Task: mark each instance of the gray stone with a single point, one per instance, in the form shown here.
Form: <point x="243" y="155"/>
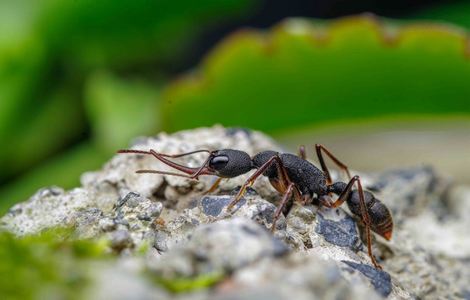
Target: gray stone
<point x="231" y="244"/>
<point x="122" y="280"/>
<point x="381" y="280"/>
<point x="107" y="224"/>
<point x="407" y="192"/>
<point x="166" y="225"/>
<point x="223" y="246"/>
<point x="129" y="196"/>
<point x="121" y="239"/>
<point x="86" y="222"/>
<point x="299" y="276"/>
<point x="160" y="241"/>
<point x="48" y="208"/>
<point x="209" y="208"/>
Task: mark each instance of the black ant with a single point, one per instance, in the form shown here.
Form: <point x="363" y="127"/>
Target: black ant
<point x="290" y="175"/>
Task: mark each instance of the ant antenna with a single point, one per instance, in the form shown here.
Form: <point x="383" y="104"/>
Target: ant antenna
<point x="192" y="173"/>
<point x="162" y="154"/>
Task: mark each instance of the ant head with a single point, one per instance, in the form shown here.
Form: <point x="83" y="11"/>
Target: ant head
<point x="229" y="163"/>
<point x="223" y="163"/>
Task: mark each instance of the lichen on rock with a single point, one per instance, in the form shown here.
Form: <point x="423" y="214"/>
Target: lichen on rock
<point x="169" y="237"/>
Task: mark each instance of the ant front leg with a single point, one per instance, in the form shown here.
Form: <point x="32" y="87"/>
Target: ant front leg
<point x="364" y="212"/>
<point x="283" y="184"/>
<point x="214" y="186"/>
<point x="319" y="148"/>
<point x="285" y="199"/>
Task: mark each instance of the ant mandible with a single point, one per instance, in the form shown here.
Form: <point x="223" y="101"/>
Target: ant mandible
<point x="290" y="175"/>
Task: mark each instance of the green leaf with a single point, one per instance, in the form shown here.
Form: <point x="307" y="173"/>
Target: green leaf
<point x="57" y="121"/>
<point x="305" y="72"/>
<point x="63" y="170"/>
<point x="457" y="12"/>
<point x="119" y="33"/>
<point x="21" y="67"/>
<point x="48" y="48"/>
<point x="119" y="110"/>
<point x="22" y="63"/>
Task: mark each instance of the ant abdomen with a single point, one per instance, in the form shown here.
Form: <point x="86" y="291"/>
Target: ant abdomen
<point x="380" y="217"/>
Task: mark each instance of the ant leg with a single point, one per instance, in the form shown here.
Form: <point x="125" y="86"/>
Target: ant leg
<point x="281" y="206"/>
<point x="302" y="153"/>
<point x="364" y="213"/>
<point x="254" y="176"/>
<point x="281" y="184"/>
<point x="213" y="187"/>
<point x="319" y="148"/>
<point x="342" y="197"/>
<point x="366" y="220"/>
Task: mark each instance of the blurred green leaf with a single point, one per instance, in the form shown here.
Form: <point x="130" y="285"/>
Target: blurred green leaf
<point x="456" y="12"/>
<point x="119" y="33"/>
<point x="57" y="122"/>
<point x="17" y="20"/>
<point x="21" y="66"/>
<point x="305" y="72"/>
<point x="119" y="109"/>
<point x="48" y="49"/>
<point x="63" y="170"/>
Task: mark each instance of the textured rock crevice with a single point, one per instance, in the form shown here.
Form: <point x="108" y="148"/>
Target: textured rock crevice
<point x="164" y="226"/>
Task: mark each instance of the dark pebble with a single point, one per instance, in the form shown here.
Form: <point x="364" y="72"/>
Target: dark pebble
<point x="342" y="233"/>
<point x="213" y="205"/>
<point x="121" y="239"/>
<point x="249" y="191"/>
<point x="279" y="248"/>
<point x="126" y="198"/>
<point x="381" y="280"/>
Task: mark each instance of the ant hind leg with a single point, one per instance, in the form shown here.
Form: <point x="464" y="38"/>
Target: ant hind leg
<point x="319" y="148"/>
<point x="282" y="205"/>
<point x="365" y="218"/>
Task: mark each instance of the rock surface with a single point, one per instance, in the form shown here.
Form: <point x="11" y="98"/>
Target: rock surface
<point x="164" y="229"/>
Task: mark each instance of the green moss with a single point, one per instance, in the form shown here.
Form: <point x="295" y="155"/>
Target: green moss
<point x="143" y="248"/>
<point x="185" y="284"/>
<point x="48" y="265"/>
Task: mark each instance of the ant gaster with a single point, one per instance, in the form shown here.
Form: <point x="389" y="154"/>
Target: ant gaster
<point x="290" y="175"/>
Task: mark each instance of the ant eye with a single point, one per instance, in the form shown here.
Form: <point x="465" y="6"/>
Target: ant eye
<point x="218" y="162"/>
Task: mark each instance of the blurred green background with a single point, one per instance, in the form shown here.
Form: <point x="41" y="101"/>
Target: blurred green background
<point x="80" y="79"/>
